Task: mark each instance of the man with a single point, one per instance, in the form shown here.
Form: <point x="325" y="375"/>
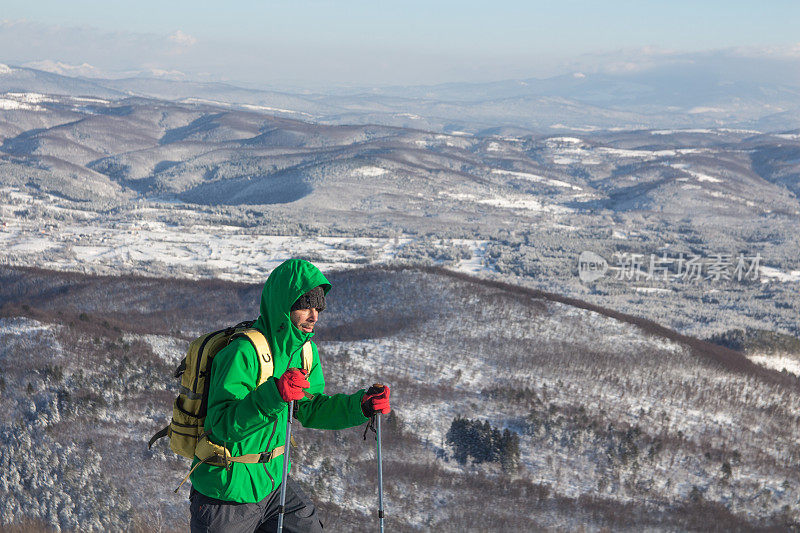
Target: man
<point x="252" y="419"/>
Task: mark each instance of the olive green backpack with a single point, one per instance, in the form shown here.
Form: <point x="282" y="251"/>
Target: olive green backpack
<point x="187" y="436"/>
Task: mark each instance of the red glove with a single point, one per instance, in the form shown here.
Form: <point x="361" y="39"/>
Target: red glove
<point x="291" y="384"/>
<point x="376" y="400"/>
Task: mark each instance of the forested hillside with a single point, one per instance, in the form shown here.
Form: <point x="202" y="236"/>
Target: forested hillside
<point x="562" y="414"/>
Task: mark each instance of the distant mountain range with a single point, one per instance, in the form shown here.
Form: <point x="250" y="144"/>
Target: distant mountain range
<point x="678" y="96"/>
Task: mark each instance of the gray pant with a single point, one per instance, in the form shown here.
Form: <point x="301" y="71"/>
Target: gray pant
<point x="212" y="515"/>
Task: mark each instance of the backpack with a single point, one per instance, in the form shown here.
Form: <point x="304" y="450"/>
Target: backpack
<point x="186" y="434"/>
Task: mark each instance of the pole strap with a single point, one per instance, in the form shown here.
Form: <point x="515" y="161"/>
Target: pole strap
<point x="371" y="427"/>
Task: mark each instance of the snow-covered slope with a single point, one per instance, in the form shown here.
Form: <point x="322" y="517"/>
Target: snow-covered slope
<point x="607" y="412"/>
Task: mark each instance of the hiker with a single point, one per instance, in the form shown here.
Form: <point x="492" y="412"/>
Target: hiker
<point x="250" y="419"/>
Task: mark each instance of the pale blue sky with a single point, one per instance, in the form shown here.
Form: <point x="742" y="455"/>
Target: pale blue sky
<point x="379" y="42"/>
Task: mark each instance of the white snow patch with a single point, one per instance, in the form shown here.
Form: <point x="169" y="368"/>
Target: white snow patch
<point x="370" y="171"/>
<point x="779" y="275"/>
<point x="23" y="326"/>
<point x="674" y="132"/>
<point x="249" y="107"/>
<point x="5" y="69"/>
<point x="13" y="105"/>
<point x="621" y="152"/>
<point x="170" y="349"/>
<point x="561" y="126"/>
<point x="474" y="265"/>
<point x="560" y="160"/>
<point x="494" y="147"/>
<point x="699" y="176"/>
<point x="650" y="290"/>
<point x="778" y="362"/>
<point x="253" y="107"/>
<point x="560" y="140"/>
<point x="700" y="109"/>
<point x="31" y="98"/>
<point x="508" y="202"/>
<point x="537" y="178"/>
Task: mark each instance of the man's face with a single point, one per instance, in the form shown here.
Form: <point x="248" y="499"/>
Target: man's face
<point x="304" y="319"/>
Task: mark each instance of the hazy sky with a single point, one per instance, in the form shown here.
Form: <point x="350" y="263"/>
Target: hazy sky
<point x="381" y="42"/>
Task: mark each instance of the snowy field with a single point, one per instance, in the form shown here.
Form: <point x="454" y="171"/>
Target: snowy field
<point x="138" y="243"/>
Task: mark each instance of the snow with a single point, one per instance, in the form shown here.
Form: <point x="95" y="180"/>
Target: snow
<point x="19" y="326"/>
<point x="778" y="362"/>
<point x="5" y="69"/>
<point x="537" y="178"/>
<point x="249" y="107"/>
<point x="8" y="104"/>
<point x="253" y="107"/>
<point x="699" y="176"/>
<point x="510" y="201"/>
<point x="620" y="152"/>
<point x="650" y="290"/>
<point x="170" y="349"/>
<point x="715" y="131"/>
<point x="474" y="265"/>
<point x="673" y="132"/>
<point x="729" y="197"/>
<point x="561" y="126"/>
<point x="570" y="140"/>
<point x="494" y="147"/>
<point x="191" y="250"/>
<point x="700" y="109"/>
<point x="769" y="273"/>
<point x="560" y="160"/>
<point x="31" y="98"/>
<point x="20" y="330"/>
<point x="370" y="171"/>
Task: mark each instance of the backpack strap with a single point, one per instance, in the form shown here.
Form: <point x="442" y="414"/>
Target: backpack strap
<point x="216" y="455"/>
<point x="308" y="357"/>
<point x="266" y="366"/>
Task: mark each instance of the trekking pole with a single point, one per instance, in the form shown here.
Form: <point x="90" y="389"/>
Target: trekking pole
<point x="377" y="424"/>
<point x="380" y="469"/>
<point x="285" y="466"/>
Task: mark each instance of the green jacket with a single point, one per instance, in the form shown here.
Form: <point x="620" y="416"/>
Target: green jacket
<point x="250" y="419"/>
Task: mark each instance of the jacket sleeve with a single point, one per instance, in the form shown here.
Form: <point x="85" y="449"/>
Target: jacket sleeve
<point x="236" y="407"/>
<point x="339" y="411"/>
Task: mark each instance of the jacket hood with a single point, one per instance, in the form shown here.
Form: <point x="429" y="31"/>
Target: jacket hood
<point x="290" y="280"/>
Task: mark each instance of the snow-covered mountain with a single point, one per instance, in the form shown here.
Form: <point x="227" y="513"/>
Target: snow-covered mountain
<point x="691" y="95"/>
<point x="138" y="185"/>
<point x="577" y="403"/>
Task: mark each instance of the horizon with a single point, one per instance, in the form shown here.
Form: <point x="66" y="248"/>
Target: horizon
<point x="359" y="44"/>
